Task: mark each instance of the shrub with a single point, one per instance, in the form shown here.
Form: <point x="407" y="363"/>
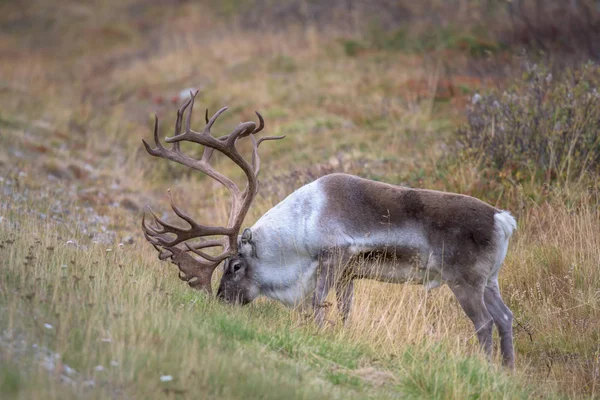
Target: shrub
<point x="541" y="127"/>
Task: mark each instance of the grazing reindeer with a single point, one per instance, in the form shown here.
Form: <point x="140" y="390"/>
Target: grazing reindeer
<point x="324" y="234"/>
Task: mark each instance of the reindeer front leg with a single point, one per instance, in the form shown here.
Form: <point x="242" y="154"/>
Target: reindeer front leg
<point x="344" y="293"/>
<point x="325" y="281"/>
<point x="333" y="270"/>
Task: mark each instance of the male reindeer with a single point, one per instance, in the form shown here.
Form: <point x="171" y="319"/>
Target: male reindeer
<point x="324" y="234"/>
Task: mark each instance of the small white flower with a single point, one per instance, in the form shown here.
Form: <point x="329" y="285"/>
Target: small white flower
<point x="69" y="370"/>
<point x="71" y="242"/>
<point x="114" y="363"/>
<point x="108" y="250"/>
<point x="106" y="340"/>
<point x="48" y="326"/>
<point x="99" y="368"/>
<point x="476" y="98"/>
<point x="64" y="266"/>
<point x="166" y="378"/>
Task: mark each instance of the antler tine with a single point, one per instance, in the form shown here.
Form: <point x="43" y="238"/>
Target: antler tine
<point x="188" y="119"/>
<point x="261" y="124"/>
<point x="255" y="156"/>
<point x="264" y="139"/>
<point x="147" y="230"/>
<point x="151" y="237"/>
<point x="177" y="132"/>
<point x="208" y="151"/>
<point x="180" y="213"/>
<point x="203" y="244"/>
<point x="205" y="256"/>
<point x="155" y="232"/>
<point x="242" y="130"/>
<point x="178" y="136"/>
<point x="163" y="226"/>
<point x="156" y="151"/>
<point x="213" y="119"/>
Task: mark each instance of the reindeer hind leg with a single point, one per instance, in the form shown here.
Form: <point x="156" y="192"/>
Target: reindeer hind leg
<point x="503" y="318"/>
<point x="470" y="297"/>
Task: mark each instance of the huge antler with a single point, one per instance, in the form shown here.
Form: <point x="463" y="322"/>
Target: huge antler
<point x="197" y="271"/>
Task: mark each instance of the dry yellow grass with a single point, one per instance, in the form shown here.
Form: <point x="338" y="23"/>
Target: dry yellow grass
<point x="71" y="121"/>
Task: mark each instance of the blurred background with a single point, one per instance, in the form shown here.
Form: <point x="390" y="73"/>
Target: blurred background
<point x="495" y="99"/>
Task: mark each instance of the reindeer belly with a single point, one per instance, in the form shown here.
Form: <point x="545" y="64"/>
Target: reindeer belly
<point x="396" y="265"/>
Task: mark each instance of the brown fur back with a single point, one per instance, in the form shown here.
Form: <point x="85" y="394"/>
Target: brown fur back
<point x="459" y="226"/>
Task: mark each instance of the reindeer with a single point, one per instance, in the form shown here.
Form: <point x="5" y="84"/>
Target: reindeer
<point x="333" y="231"/>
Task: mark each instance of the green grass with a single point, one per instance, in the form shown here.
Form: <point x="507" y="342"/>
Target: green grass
<point x="11" y="381"/>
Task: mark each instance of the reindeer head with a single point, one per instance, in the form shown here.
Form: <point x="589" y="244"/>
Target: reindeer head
<point x="239" y="283"/>
<point x="185" y="247"/>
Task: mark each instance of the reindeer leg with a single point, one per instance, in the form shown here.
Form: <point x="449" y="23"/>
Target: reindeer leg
<point x="470" y="298"/>
<point x="332" y="265"/>
<point x="503" y="318"/>
<point x="344" y="293"/>
<point x="325" y="281"/>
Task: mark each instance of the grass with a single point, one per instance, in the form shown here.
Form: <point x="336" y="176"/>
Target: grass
<point x="75" y="179"/>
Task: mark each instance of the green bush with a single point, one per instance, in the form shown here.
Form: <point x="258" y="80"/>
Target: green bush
<point x="540" y="127"/>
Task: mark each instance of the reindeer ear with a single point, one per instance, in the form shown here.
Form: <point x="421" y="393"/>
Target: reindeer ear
<point x="246" y="236"/>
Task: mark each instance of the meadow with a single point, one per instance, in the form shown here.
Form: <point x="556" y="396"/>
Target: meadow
<point x="88" y="311"/>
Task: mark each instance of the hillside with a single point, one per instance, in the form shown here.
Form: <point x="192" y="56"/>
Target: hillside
<point x="88" y="311"/>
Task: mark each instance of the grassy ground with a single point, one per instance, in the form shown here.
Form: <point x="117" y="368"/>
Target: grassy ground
<point x="87" y="310"/>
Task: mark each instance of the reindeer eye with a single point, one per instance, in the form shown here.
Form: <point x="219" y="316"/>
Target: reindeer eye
<point x="236" y="267"/>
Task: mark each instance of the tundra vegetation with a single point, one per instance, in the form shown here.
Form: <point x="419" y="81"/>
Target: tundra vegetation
<point x="498" y="100"/>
